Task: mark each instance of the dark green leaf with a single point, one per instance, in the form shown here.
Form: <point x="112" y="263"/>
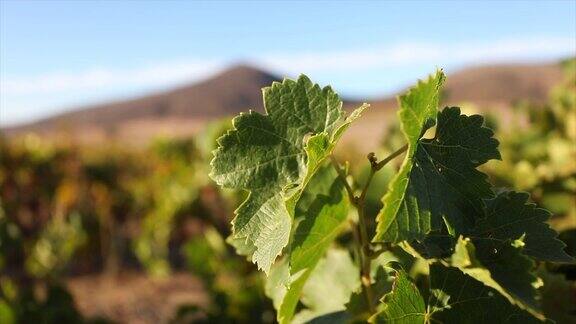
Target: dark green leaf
<point x="510" y="216"/>
<point x="458" y="298"/>
<point x="417" y="112"/>
<point x="501" y="266"/>
<point x="443" y="185"/>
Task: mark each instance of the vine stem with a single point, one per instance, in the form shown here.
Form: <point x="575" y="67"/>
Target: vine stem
<point x="342" y="176"/>
<point x="390" y="157"/>
<point x="365" y="251"/>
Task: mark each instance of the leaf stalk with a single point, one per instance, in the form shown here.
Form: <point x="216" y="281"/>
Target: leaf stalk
<point x="365" y="249"/>
<point x="389" y="158"/>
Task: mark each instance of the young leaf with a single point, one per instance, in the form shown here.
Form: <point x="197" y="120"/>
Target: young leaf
<point x="403" y="305"/>
<point x="458" y="298"/>
<point x="323" y="208"/>
<point x="276" y="282"/>
<point x="329" y="287"/>
<point x="510" y="216"/>
<point x="442" y="184"/>
<point x="273" y="156"/>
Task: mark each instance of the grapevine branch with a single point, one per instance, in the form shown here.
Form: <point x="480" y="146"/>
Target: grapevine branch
<point x="389" y="158"/>
<point x="365" y="251"/>
<point x="240" y="149"/>
<point x="342" y="176"/>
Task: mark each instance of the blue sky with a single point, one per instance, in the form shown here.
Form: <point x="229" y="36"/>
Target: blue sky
<point x="58" y="55"/>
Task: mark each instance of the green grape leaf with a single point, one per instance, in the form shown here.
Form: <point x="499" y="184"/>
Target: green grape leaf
<point x="417" y="111"/>
<point x="506" y="217"/>
<point x="510" y="216"/>
<point x="458" y="298"/>
<point x="502" y="267"/>
<point x="454" y="298"/>
<point x="403" y="305"/>
<point x="273" y="156"/>
<point x="276" y="282"/>
<point x="441" y="184"/>
<point x="322" y="213"/>
<point x="358" y="307"/>
<point x="329" y="287"/>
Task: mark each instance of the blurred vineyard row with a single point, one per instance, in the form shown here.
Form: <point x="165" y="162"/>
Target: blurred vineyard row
<point x="68" y="210"/>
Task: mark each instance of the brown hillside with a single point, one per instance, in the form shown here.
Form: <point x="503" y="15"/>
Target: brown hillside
<point x="488" y="88"/>
<point x="503" y="84"/>
<point x="496" y="85"/>
<point x="185" y="110"/>
<point x="225" y="94"/>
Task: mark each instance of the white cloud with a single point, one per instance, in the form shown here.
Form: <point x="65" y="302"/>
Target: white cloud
<point x="26" y="98"/>
<point x="154" y="75"/>
<point x="398" y="55"/>
<point x="422" y="53"/>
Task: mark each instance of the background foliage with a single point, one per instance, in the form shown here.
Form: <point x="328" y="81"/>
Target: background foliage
<point x="68" y="210"/>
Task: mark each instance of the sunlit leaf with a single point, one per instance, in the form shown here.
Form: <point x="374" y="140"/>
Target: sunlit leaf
<point x="273" y="156"/>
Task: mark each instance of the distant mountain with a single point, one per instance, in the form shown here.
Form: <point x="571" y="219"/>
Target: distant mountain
<point x="496" y="86"/>
<point x="184" y="110"/>
<point x="224" y="94"/>
<point x="503" y="84"/>
<point x="491" y="89"/>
